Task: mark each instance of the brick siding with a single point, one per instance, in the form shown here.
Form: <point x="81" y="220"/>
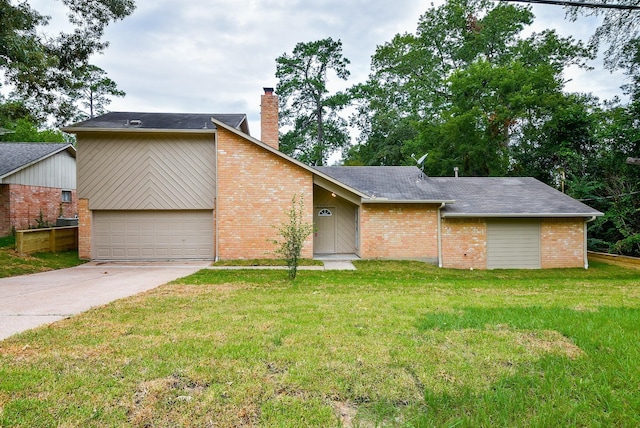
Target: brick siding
<point x="562" y="243"/>
<point x="84" y="229"/>
<point x="269" y="120"/>
<point x="399" y="231"/>
<point x="255" y="188"/>
<point x="21" y="205"/>
<point x="464" y="243"/>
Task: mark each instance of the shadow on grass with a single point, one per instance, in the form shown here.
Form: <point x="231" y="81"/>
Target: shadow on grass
<point x="599" y="387"/>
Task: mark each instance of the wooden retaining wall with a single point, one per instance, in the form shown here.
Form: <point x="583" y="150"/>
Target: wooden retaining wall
<point x="47" y="240"/>
<point x="614" y="259"/>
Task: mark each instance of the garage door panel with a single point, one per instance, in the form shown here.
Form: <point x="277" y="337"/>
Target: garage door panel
<point x="513" y="244"/>
<point x="153" y="235"/>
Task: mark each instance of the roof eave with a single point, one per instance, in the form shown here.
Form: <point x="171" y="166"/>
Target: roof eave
<point x="77" y="130"/>
<point x="286" y="157"/>
<point x="406" y="201"/>
<point x="521" y="215"/>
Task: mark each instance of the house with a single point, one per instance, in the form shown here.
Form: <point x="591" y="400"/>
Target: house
<point x="37" y="183"/>
<point x="156" y="186"/>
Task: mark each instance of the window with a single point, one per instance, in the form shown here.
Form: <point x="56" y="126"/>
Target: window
<point x="325" y="212"/>
<point x="66" y="196"/>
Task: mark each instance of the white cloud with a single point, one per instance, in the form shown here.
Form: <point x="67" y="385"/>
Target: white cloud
<point x="216" y="55"/>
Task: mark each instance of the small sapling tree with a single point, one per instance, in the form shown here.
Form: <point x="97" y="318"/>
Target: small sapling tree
<point x="292" y="233"/>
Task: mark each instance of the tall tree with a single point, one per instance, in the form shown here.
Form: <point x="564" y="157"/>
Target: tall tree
<point x="92" y="90"/>
<point x="306" y="106"/>
<point x="41" y="68"/>
<point x="467" y="81"/>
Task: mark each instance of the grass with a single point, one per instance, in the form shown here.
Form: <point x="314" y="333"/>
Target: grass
<point x="266" y="262"/>
<point x="392" y="344"/>
<point x="14" y="264"/>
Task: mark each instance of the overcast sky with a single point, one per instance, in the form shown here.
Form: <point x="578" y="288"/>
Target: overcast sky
<point x="215" y="56"/>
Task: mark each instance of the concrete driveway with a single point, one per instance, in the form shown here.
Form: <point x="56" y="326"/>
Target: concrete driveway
<point x="32" y="300"/>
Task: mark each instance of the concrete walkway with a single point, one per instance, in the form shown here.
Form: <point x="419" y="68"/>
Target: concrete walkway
<point x="329" y="264"/>
<point x="32" y="300"/>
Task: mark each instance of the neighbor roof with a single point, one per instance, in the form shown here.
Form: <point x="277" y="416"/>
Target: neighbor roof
<point x="507" y="197"/>
<point x="159" y="121"/>
<point x="388" y="183"/>
<point x="17" y="156"/>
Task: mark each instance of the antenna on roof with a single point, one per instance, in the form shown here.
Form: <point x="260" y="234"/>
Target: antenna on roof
<point x="420" y="162"/>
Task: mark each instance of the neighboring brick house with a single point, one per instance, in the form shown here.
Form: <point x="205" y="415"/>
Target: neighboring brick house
<point x="37" y="183"/>
<point x="156" y="186"/>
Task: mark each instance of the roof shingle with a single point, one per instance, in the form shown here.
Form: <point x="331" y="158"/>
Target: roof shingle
<point x="14" y="156"/>
<point x="169" y="121"/>
<point x="465" y="196"/>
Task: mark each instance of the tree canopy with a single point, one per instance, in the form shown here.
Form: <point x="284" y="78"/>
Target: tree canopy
<point x="462" y="88"/>
<point x="307" y="108"/>
<point x="44" y="69"/>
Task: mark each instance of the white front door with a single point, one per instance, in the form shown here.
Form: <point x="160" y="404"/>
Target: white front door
<point x="324" y="237"/>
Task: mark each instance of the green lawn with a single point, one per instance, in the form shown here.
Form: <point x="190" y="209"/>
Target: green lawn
<point x="13" y="264"/>
<point x="392" y="344"/>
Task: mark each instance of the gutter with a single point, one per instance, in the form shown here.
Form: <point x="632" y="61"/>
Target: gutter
<point x="521" y="215"/>
<point x="216" y="219"/>
<point x="405" y="201"/>
<point x="586" y="257"/>
<point x="440" y="234"/>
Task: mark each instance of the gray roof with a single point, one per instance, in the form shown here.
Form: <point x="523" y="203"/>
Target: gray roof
<point x="464" y="196"/>
<point x="508" y="196"/>
<point x="393" y="183"/>
<point x="15" y="156"/>
<point x="164" y="121"/>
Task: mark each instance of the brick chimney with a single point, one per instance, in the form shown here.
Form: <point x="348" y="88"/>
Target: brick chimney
<point x="269" y="118"/>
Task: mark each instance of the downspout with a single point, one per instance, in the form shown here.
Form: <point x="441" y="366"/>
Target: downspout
<point x="215" y="203"/>
<point x="586" y="256"/>
<point x="440" y="235"/>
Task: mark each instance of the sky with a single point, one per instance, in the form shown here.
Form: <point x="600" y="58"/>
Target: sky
<point x="215" y="56"/>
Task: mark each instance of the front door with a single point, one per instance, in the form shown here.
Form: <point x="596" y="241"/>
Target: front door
<point x="324" y="237"/>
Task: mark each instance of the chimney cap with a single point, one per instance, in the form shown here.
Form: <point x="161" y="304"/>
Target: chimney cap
<point x="268" y="90"/>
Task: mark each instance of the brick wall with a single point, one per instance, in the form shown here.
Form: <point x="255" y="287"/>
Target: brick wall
<point x="255" y="187"/>
<point x="84" y="229"/>
<point x="399" y="231"/>
<point x="464" y="243"/>
<point x="269" y="119"/>
<point x="21" y="206"/>
<point x="5" y="218"/>
<point x="562" y="243"/>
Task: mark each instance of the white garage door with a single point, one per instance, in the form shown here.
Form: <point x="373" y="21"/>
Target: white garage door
<point x="152" y="235"/>
<point x="513" y="244"/>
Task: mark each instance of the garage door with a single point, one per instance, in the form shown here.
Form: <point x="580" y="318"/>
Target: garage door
<point x="152" y="235"/>
<point x="513" y="244"/>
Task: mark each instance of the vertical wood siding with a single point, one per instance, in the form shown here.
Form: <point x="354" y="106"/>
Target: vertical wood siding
<point x="147" y="171"/>
<point x="56" y="171"/>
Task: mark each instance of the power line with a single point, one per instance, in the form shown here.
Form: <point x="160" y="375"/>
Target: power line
<point x="599" y="198"/>
<point x="580" y="4"/>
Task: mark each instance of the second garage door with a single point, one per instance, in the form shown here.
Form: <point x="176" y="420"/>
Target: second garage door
<point x="153" y="235"/>
<point x="513" y="244"/>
